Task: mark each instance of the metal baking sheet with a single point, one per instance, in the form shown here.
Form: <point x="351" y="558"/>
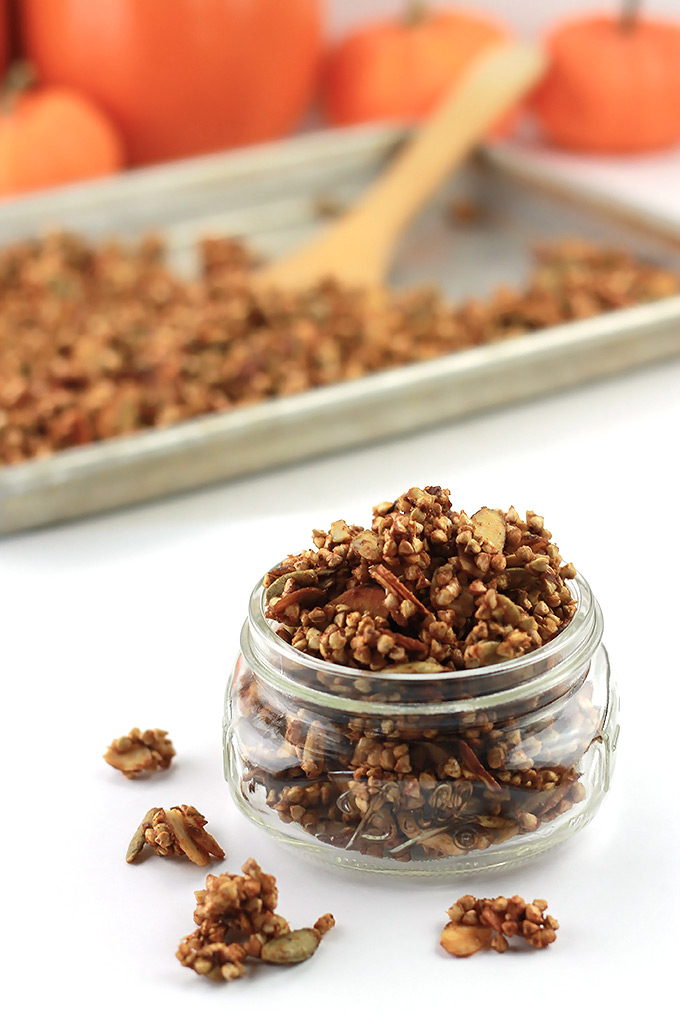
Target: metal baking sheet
<point x="270" y="196"/>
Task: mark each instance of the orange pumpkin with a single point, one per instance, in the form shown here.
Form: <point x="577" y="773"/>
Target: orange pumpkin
<point x="613" y="85"/>
<point x="51" y="136"/>
<point x="180" y="77"/>
<point x="400" y="69"/>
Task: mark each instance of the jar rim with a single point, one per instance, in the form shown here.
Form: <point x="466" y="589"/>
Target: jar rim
<point x="291" y="670"/>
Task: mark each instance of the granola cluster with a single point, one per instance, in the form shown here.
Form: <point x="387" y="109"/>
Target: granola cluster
<point x="140" y="751"/>
<point x="177" y="831"/>
<point x="488" y="923"/>
<point x="236" y="920"/>
<point x="105" y="340"/>
<point x="427" y="589"/>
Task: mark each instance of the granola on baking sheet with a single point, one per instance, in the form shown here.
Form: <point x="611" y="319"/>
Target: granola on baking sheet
<point x="104" y="340"/>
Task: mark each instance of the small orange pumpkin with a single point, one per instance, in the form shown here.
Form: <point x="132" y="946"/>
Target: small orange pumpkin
<point x="180" y="77"/>
<point x="399" y="70"/>
<point x="613" y="85"/>
<point x="51" y="136"/>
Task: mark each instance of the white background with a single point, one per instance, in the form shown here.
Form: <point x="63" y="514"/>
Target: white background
<point x="529" y="17"/>
<point x="133" y="619"/>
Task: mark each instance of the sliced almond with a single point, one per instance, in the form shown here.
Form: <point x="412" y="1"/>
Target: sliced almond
<point x="368" y="545"/>
<point x="409" y="643"/>
<point x="442" y="844"/>
<point x="339" y="531"/>
<point x="393" y="586"/>
<point x="136" y="759"/>
<point x="300" y="597"/>
<point x="415" y="667"/>
<point x="312" y="761"/>
<point x="204" y="841"/>
<point x="464" y="939"/>
<point x="489" y="529"/>
<point x="365" y="599"/>
<point x="472" y="764"/>
<point x="174" y="819"/>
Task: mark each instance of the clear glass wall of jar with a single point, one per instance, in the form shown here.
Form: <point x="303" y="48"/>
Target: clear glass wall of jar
<point x="418" y="772"/>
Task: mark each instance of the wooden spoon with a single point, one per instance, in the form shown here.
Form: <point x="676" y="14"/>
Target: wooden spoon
<point x="357" y="249"/>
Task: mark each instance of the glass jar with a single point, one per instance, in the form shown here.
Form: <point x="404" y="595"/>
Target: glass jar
<point x="417" y="772"/>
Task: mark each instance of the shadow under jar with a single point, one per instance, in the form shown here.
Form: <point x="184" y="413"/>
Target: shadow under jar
<point x="416" y="772"/>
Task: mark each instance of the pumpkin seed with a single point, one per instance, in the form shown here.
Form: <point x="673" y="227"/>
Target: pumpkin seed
<point x="138" y="841"/>
<point x="293" y="947"/>
<point x="303" y="578"/>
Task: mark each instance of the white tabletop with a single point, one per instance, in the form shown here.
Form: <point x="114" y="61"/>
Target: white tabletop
<point x="132" y="619"/>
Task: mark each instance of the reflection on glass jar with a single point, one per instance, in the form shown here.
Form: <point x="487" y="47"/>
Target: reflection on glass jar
<point x="422" y="773"/>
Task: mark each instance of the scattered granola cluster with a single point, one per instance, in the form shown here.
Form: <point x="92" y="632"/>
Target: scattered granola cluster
<point x="488" y="923"/>
<point x="236" y="919"/>
<point x="140" y="751"/>
<point x="426" y="589"/>
<point x="175" y="831"/>
<point x="102" y="341"/>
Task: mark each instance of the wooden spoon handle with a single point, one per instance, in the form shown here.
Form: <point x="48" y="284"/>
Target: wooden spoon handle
<point x="357" y="249"/>
<point x="490" y="87"/>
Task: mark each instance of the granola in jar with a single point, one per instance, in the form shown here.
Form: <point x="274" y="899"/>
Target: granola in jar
<point x="428" y="692"/>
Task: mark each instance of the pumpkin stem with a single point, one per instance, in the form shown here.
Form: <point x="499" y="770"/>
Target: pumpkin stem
<point x="630" y="12"/>
<point x="417" y="11"/>
<point x="20" y="76"/>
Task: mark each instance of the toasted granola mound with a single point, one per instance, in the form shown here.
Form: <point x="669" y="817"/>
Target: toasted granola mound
<point x="426" y="589"/>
